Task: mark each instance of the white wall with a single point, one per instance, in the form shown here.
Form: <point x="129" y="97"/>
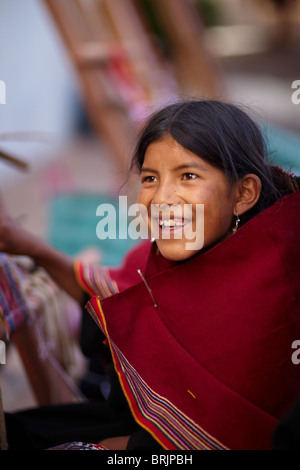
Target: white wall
<point x="40" y="83"/>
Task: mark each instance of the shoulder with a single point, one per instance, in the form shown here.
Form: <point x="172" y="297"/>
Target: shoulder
<point x="127" y="275"/>
<point x="138" y="255"/>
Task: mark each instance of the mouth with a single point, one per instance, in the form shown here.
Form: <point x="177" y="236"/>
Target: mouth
<point x="170" y="223"/>
<point x="169" y="227"/>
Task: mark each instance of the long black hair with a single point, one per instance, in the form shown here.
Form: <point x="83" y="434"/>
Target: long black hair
<point x="222" y="134"/>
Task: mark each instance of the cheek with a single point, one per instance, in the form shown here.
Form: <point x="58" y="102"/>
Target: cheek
<point x="208" y="196"/>
<point x="218" y="209"/>
<point x="145" y="199"/>
<point x="142" y="197"/>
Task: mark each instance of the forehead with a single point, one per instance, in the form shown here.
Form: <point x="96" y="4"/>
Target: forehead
<point x="167" y="156"/>
<point x="167" y="148"/>
<point x="167" y="153"/>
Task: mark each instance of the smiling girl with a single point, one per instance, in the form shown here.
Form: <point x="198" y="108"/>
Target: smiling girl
<point x="200" y="338"/>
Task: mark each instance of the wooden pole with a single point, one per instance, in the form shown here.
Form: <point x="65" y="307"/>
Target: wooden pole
<point x="14" y="161"/>
<point x="196" y="70"/>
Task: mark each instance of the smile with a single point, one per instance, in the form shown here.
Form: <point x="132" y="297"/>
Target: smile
<point x="169" y="227"/>
<point x="171" y="223"/>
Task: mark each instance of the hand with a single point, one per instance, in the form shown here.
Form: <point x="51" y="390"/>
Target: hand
<point x="115" y="443"/>
<point x="16" y="240"/>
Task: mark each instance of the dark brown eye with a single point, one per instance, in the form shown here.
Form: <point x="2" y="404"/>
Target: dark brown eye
<point x="189" y="176"/>
<point x="148" y="179"/>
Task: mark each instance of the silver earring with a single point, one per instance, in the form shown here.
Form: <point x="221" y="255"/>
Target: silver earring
<point x="236" y="223"/>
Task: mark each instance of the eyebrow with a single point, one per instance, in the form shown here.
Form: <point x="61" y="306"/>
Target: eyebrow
<point x="180" y="167"/>
<point x="148" y="170"/>
<point x="190" y="165"/>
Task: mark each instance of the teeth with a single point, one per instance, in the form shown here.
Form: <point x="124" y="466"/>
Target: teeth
<point x="170" y="223"/>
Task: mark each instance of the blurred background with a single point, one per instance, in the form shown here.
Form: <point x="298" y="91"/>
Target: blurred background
<point x="79" y="76"/>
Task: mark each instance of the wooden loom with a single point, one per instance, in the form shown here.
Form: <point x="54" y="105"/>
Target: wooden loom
<point x="111" y="47"/>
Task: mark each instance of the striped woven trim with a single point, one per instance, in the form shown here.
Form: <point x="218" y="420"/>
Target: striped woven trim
<point x="161" y="418"/>
<point x="4" y="322"/>
<point x="90" y="308"/>
<point x="160" y="414"/>
<point x="94" y="279"/>
<point x="16" y="313"/>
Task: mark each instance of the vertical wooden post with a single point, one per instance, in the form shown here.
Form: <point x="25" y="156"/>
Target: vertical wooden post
<point x="196" y="70"/>
<point x="108" y="115"/>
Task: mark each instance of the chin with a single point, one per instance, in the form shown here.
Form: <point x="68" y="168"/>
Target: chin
<point x="174" y="253"/>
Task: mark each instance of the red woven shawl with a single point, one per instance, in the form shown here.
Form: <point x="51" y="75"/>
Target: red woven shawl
<point x="210" y="367"/>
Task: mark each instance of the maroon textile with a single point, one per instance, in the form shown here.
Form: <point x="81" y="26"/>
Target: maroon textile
<point x="211" y="366"/>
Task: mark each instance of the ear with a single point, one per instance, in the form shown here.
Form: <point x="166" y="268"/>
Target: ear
<point x="248" y="192"/>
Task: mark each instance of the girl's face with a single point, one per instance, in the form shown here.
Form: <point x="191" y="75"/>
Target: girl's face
<point x="173" y="182"/>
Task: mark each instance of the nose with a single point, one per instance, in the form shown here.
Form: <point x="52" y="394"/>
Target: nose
<point x="166" y="194"/>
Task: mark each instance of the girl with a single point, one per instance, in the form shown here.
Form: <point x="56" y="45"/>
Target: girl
<point x="200" y="338"/>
